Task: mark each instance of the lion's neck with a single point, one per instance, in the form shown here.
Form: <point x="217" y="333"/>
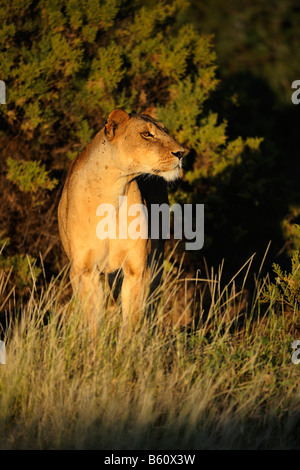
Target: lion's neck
<point x="105" y="179"/>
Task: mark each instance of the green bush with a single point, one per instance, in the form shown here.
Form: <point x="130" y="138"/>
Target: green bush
<point x="286" y="288"/>
<point x="29" y="176"/>
<point x="20" y="270"/>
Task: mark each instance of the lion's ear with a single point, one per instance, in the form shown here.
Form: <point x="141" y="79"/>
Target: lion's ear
<point x="151" y="111"/>
<point x="115" y="120"/>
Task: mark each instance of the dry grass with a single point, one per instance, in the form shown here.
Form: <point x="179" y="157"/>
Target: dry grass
<point x="220" y="384"/>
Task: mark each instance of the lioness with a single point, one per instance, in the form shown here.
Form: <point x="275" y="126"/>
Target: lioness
<point x="110" y="166"/>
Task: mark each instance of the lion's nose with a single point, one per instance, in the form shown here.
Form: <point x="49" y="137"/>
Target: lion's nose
<point x="178" y="154"/>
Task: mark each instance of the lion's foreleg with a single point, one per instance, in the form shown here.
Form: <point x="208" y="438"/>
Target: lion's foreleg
<point x="134" y="296"/>
<point x="87" y="285"/>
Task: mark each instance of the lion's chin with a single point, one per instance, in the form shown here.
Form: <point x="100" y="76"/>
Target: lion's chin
<point x="170" y="175"/>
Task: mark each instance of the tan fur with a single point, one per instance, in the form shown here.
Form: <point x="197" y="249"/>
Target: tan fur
<point x="107" y="168"/>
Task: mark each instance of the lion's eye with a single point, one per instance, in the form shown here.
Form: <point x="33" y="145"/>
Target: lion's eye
<point x="147" y="134"/>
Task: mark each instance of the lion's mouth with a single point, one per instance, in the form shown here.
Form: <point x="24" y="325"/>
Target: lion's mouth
<point x="177" y="167"/>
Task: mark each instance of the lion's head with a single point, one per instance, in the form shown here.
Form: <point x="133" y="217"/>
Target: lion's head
<point x="141" y="144"/>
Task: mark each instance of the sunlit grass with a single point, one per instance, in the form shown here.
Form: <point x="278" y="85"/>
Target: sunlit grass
<point x="226" y="381"/>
